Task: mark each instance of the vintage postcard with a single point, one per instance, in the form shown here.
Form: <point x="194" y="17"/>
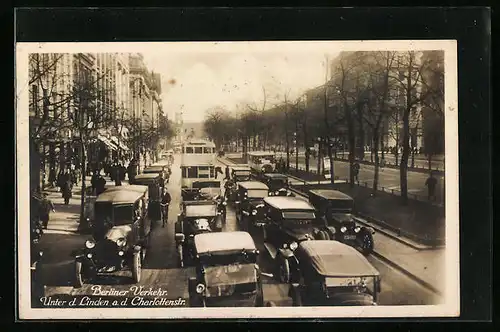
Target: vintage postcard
<point x="173" y="180"/>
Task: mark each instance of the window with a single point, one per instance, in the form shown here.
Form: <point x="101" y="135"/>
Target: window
<point x="212" y="171"/>
<point x="203" y="172"/>
<point x="192" y="172"/>
<point x="207" y="150"/>
<point x="189" y="149"/>
<point x="198" y="149"/>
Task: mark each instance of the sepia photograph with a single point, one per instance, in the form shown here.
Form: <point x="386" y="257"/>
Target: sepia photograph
<point x="168" y="180"/>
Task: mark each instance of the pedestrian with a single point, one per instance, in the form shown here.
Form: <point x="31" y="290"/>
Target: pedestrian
<point x="116" y="174"/>
<point x="165" y="202"/>
<point x="100" y="184"/>
<point x="162" y="181"/>
<point x="132" y="171"/>
<point x="67" y="187"/>
<point x="431" y="183"/>
<point x="355" y="168"/>
<point x="217" y="171"/>
<point x="93" y="180"/>
<point x="45" y="207"/>
<point x="382" y="164"/>
<point x="228" y="176"/>
<point x="61" y="181"/>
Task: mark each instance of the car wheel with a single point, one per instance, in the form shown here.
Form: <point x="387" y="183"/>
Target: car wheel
<point x="284" y="270"/>
<point x="296" y="298"/>
<point x="79" y="274"/>
<point x="136" y="267"/>
<point x="367" y="244"/>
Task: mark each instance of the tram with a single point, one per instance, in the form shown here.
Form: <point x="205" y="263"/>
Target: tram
<point x="198" y="159"/>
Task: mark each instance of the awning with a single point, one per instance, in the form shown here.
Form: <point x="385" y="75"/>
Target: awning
<point x="107" y="142"/>
<point x="119" y="144"/>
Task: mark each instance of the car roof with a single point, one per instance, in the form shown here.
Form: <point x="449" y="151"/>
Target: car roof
<point x="122" y="195"/>
<point x="261" y="153"/>
<point x="334" y="259"/>
<point x="288" y="203"/>
<point x="253" y="185"/>
<point x="241" y="168"/>
<point x="223" y="241"/>
<point x="330" y="194"/>
<point x="145" y="176"/>
<point x="275" y="175"/>
<point x="154" y="168"/>
<point x="199" y="202"/>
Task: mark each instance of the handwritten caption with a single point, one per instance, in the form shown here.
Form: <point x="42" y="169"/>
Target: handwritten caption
<point x="135" y="296"/>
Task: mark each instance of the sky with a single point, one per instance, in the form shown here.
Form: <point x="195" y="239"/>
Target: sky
<point x="194" y="82"/>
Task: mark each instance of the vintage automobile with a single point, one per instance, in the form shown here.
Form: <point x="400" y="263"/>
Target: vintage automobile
<point x="227" y="274"/>
<point x="330" y="273"/>
<point x="336" y="208"/>
<point x="289" y="221"/>
<point x="152" y="180"/>
<point x="196" y="217"/>
<point x="278" y="184"/>
<point x="241" y="173"/>
<point x="209" y="189"/>
<point x="36" y="231"/>
<point x="121" y="235"/>
<point x="250" y="204"/>
<point x="163" y="169"/>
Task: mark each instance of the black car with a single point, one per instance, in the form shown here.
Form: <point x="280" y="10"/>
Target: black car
<point x="330" y="273"/>
<point x="37" y="289"/>
<point x="196" y="217"/>
<point x="240" y="173"/>
<point x="250" y="204"/>
<point x="226" y="271"/>
<point x="152" y="180"/>
<point x="289" y="221"/>
<point x="278" y="184"/>
<point x="336" y="208"/>
<point x="121" y="235"/>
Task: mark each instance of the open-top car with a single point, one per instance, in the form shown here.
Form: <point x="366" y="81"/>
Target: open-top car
<point x="336" y="208"/>
<point x="209" y="189"/>
<point x="250" y="204"/>
<point x="289" y="221"/>
<point x="152" y="180"/>
<point x="196" y="217"/>
<point x="227" y="274"/>
<point x="330" y="273"/>
<point x="278" y="184"/>
<point x="121" y="235"/>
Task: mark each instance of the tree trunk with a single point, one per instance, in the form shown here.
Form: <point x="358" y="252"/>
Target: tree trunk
<point x="83" y="164"/>
<point x="351" y="141"/>
<point x="382" y="147"/>
<point x="306" y="147"/>
<point x="403" y="166"/>
<point x="377" y="160"/>
<point x="330" y="155"/>
<point x="287" y="145"/>
<point x="429" y="161"/>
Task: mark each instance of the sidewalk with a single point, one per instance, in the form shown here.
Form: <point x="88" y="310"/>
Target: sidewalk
<point x="66" y="219"/>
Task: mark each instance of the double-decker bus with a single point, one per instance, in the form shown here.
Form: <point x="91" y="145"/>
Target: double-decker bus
<point x="197" y="162"/>
<point x="262" y="161"/>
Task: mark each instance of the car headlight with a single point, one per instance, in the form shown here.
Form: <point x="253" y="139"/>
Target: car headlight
<point x="357" y="229"/>
<point x="37" y="230"/>
<point x="121" y="242"/>
<point x="285" y="245"/>
<point x="89" y="244"/>
<point x="121" y="253"/>
<point x="254" y="212"/>
<point x="224" y="203"/>
<point x="271" y="194"/>
<point x="294" y="245"/>
<point x="277" y="193"/>
<point x="200" y="288"/>
<point x="343" y="229"/>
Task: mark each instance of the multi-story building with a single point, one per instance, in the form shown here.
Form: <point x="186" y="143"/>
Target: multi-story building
<point x="67" y="91"/>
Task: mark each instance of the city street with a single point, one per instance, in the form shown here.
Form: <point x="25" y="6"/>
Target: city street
<point x="160" y="267"/>
<point x="388" y="177"/>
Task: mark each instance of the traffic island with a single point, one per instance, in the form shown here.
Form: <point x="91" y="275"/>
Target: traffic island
<point x="419" y="221"/>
